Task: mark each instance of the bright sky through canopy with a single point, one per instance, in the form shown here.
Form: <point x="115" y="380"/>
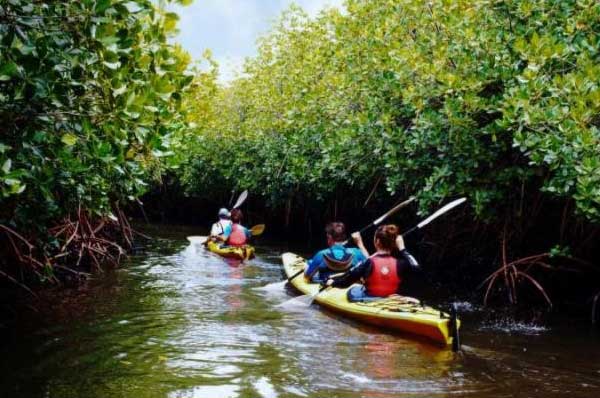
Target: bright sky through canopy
<point x="229" y="28"/>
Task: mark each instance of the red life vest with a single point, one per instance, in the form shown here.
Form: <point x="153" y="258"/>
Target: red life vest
<point x="237" y="237"/>
<point x="384" y="279"/>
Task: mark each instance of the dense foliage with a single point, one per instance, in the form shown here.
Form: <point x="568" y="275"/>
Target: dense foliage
<point x="90" y="94"/>
<point x="494" y="100"/>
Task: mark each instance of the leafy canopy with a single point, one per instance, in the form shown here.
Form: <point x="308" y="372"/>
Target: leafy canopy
<point x="494" y="100"/>
<point x="90" y="96"/>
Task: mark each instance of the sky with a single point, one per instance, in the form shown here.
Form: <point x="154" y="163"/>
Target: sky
<point x="229" y="28"/>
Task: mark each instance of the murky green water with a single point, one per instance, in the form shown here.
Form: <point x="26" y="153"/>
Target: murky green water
<point x="179" y="322"/>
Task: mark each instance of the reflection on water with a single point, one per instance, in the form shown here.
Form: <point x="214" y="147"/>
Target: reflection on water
<point x="180" y="322"/>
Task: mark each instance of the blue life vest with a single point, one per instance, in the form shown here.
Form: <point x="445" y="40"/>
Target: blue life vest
<point x="335" y="264"/>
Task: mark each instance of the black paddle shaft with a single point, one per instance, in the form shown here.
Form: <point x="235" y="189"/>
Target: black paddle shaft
<point x="410" y="231"/>
<point x="365" y="229"/>
<point x="295" y="275"/>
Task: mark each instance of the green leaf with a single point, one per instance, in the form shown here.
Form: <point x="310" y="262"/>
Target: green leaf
<point x="8" y="70"/>
<point x="170" y="22"/>
<point x="6" y="166"/>
<point x="69" y="139"/>
<point x="132" y="7"/>
<point x="119" y="91"/>
<point x="112" y="65"/>
<point x="102" y="5"/>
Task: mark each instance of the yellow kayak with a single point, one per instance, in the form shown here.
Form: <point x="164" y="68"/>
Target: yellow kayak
<point x="240" y="253"/>
<point x="400" y="313"/>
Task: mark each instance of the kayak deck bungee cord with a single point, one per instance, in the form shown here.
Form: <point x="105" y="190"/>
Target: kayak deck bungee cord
<point x="404" y="314"/>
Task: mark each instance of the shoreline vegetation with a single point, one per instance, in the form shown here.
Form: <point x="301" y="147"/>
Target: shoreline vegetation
<point x="338" y="115"/>
<point x="90" y="96"/>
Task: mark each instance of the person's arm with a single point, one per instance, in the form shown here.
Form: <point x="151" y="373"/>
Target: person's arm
<point x="226" y="232"/>
<point x="359" y="257"/>
<point x="313" y="266"/>
<point x="217" y="231"/>
<point x="359" y="243"/>
<point x="352" y="275"/>
<point x="404" y="254"/>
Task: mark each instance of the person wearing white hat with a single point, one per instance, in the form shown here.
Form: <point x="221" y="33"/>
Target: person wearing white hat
<point x="218" y="228"/>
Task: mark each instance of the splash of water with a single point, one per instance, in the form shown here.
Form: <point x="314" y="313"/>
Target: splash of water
<point x="465" y="306"/>
<point x="357" y="378"/>
<point x="512" y="326"/>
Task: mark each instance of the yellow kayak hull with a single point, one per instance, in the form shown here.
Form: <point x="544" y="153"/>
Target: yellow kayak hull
<point x="239" y="253"/>
<point x="400" y="313"/>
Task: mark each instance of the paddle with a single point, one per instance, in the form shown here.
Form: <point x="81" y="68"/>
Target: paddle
<point x="386" y="215"/>
<point x="257" y="229"/>
<point x="420" y="225"/>
<point x="373" y="224"/>
<point x="291" y="278"/>
<point x="241" y="200"/>
<point x="200" y="240"/>
<point x="445" y="209"/>
<point x="308" y="300"/>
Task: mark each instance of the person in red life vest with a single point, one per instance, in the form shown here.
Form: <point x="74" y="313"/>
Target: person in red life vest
<point x="382" y="272"/>
<point x="236" y="234"/>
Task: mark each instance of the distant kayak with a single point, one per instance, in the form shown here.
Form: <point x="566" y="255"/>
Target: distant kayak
<point x="239" y="253"/>
<point x="400" y="313"/>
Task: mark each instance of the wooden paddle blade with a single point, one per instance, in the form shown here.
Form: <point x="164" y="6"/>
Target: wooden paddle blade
<point x="241" y="199"/>
<point x="197" y="240"/>
<point x="257" y="229"/>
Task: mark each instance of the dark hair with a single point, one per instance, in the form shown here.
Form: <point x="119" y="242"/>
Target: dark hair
<point x="236" y="216"/>
<point x="337" y="231"/>
<point x="387" y="234"/>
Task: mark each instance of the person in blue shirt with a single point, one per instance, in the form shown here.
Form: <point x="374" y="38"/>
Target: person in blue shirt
<point x="336" y="258"/>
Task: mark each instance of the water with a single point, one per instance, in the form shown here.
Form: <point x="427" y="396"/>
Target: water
<point x="180" y="322"/>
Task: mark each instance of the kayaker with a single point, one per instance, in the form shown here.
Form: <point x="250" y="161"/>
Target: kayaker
<point x="336" y="258"/>
<point x="217" y="230"/>
<point x="382" y="272"/>
<point x="236" y="234"/>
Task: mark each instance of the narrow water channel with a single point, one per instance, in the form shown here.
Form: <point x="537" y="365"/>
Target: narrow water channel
<point x="177" y="321"/>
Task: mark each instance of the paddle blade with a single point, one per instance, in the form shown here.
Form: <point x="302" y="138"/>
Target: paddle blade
<point x="273" y="287"/>
<point x="394" y="210"/>
<point x="441" y="211"/>
<point x="241" y="199"/>
<point x="257" y="229"/>
<point x="296" y="303"/>
<point x="197" y="240"/>
<point x="306" y="300"/>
